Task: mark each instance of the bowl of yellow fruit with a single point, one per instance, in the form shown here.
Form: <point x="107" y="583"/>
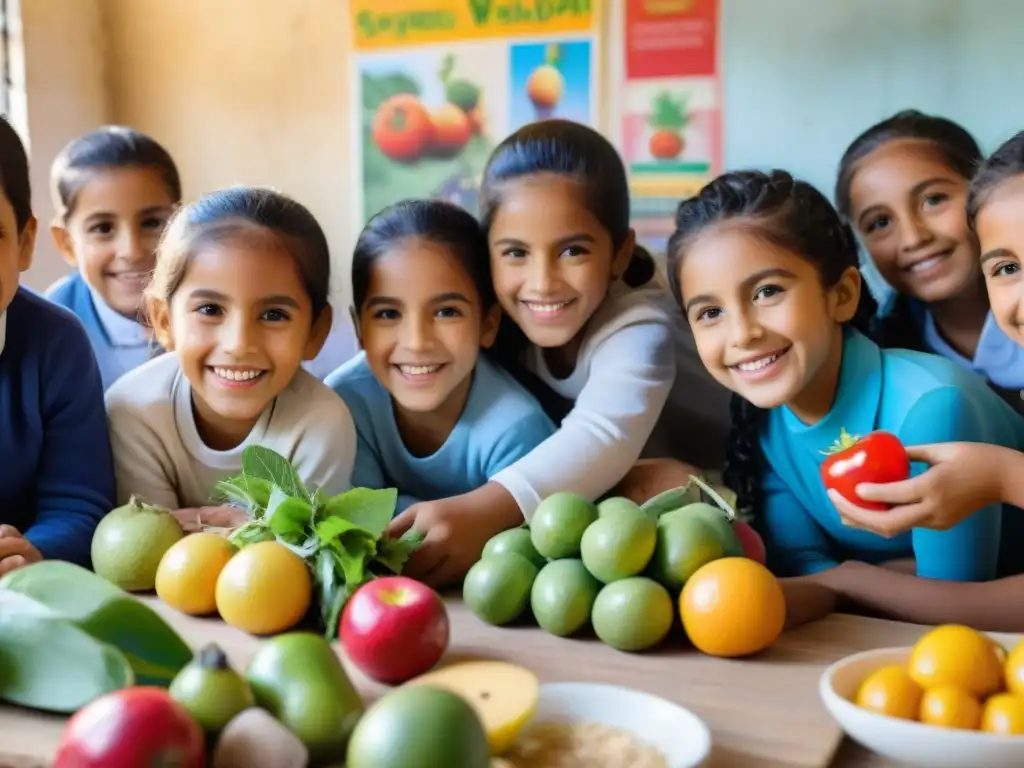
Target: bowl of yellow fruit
<point x="953" y="699"/>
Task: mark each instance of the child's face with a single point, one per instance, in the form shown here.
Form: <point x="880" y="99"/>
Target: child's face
<point x="764" y="326"/>
<point x="15" y="251"/>
<point x="112" y="233"/>
<point x="910" y="210"/>
<point x="422" y="325"/>
<point x="552" y="261"/>
<point x="241" y="323"/>
<point x="1000" y="228"/>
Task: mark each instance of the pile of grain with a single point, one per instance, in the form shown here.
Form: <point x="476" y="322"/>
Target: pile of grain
<point x="579" y="745"/>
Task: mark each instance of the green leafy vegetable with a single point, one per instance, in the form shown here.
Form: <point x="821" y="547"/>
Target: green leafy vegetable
<point x="343" y="538"/>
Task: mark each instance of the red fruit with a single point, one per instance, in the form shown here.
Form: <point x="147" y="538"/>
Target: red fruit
<point x="753" y="544"/>
<point x="665" y="145"/>
<point x="879" y="457"/>
<point x="394" y="629"/>
<point x="452" y="129"/>
<point x="402" y="128"/>
<point x="142" y="727"/>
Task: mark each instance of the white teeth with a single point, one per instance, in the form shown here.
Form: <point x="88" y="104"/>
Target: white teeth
<point x="921" y="266"/>
<point x="757" y="365"/>
<point x="547" y="308"/>
<point x="235" y="375"/>
<point x="418" y="370"/>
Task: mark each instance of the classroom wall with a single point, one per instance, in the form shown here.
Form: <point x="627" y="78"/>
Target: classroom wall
<point x="256" y="91"/>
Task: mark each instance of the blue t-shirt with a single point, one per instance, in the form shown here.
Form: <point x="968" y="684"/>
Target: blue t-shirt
<point x="919" y="397"/>
<point x="56" y="469"/>
<point x="500" y="423"/>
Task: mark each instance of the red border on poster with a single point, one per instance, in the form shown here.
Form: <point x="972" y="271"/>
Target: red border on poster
<point x="671" y="38"/>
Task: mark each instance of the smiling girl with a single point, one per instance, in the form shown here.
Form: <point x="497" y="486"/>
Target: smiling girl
<point x="239" y="298"/>
<point x="435" y="417"/>
<point x="903" y="186"/>
<point x="766" y="274"/>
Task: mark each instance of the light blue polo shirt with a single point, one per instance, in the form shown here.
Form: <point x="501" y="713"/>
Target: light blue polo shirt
<point x="920" y="397"/>
<point x="998" y="358"/>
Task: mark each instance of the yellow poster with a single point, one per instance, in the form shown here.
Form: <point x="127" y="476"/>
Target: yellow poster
<point x="438" y="83"/>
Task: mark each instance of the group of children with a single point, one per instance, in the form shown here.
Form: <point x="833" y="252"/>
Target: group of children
<point x="535" y="349"/>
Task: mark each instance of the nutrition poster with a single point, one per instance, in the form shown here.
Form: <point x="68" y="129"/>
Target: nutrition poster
<point x="670" y="106"/>
<point x="438" y="83"/>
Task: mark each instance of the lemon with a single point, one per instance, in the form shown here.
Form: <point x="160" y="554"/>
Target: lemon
<point x="960" y="657"/>
<point x="264" y="589"/>
<point x="186" y="578"/>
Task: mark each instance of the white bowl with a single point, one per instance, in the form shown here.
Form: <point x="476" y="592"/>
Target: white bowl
<point x="677" y="733"/>
<point x="905" y="740"/>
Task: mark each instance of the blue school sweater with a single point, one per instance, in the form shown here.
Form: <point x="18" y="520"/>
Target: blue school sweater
<point x="921" y="398"/>
<point x="500" y="423"/>
<point x="56" y="469"/>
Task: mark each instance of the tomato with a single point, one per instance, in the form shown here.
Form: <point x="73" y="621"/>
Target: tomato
<point x="142" y="727"/>
<point x="878" y="457"/>
<point x="666" y="145"/>
<point x="402" y="128"/>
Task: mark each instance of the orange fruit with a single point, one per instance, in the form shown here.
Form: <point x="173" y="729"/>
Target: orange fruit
<point x="958" y="656"/>
<point x="950" y="707"/>
<point x="733" y="606"/>
<point x="186" y="578"/>
<point x="264" y="589"/>
<point x="890" y="691"/>
<point x="1003" y="714"/>
<point x="1015" y="670"/>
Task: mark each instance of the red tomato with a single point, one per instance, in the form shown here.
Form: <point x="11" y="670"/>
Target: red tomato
<point x="878" y="457"/>
<point x="402" y="128"/>
<point x="141" y="727"/>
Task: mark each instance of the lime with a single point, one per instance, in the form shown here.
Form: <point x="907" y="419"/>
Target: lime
<point x="685" y="543"/>
<point x="515" y="540"/>
<point x="497" y="588"/>
<point x="619" y="545"/>
<point x="716" y="518"/>
<point x="615" y="505"/>
<point x="558" y="524"/>
<point x="632" y="614"/>
<point x="562" y="596"/>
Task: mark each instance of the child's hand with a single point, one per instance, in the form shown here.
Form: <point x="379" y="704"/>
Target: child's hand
<point x="15" y="550"/>
<point x="456" y="530"/>
<point x="962" y="478"/>
<point x="195" y="519"/>
<point x="807" y="600"/>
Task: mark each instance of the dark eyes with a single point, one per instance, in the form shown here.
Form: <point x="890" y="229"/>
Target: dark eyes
<point x="761" y="294"/>
<point x="101" y="228"/>
<point x="936" y="199"/>
<point x="880" y="223"/>
<point x="394" y="314"/>
<point x="1005" y="269"/>
<point x="570" y="252"/>
<point x="216" y="310"/>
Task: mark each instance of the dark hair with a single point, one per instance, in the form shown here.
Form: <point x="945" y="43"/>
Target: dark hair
<point x="954" y="146"/>
<point x="227" y="213"/>
<point x="1005" y="163"/>
<point x="434" y="220"/>
<point x="790" y="214"/>
<point x="573" y="150"/>
<point x="14" y="177"/>
<point x="112" y="146"/>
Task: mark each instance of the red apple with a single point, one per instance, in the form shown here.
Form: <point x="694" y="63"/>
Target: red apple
<point x="750" y="540"/>
<point x="394" y="628"/>
<point x="142" y="727"/>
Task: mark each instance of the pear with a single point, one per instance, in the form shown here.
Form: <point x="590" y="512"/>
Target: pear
<point x="129" y="543"/>
<point x="211" y="690"/>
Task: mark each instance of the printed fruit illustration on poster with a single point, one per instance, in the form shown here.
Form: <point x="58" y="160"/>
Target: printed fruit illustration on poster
<point x="546" y="85"/>
<point x="668" y="119"/>
<point x="878" y="457"/>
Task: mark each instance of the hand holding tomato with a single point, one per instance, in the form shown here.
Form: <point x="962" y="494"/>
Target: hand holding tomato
<point x="879" y="457"/>
<point x="961" y="479"/>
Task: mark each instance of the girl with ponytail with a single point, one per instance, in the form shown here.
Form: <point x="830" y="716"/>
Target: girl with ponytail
<point x="767" y="275"/>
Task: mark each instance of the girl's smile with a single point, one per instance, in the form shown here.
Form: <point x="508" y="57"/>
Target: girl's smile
<point x="761" y="367"/>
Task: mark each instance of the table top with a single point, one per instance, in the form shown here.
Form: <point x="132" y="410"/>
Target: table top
<point x="763" y="711"/>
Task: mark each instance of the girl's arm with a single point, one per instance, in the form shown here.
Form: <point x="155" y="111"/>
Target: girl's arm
<point x="631" y="374"/>
<point x="989" y="605"/>
<point x="75" y="480"/>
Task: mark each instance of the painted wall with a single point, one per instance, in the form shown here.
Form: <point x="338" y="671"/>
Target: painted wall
<point x="256" y="91"/>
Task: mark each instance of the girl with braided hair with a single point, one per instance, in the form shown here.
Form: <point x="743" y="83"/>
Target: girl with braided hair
<point x="767" y="275"/>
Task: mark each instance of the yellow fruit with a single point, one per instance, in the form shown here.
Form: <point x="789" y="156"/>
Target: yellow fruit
<point x="950" y="707"/>
<point x="958" y="656"/>
<point x="890" y="691"/>
<point x="186" y="578"/>
<point x="504" y="696"/>
<point x="732" y="607"/>
<point x="1003" y="714"/>
<point x="264" y="589"/>
<point x="1015" y="670"/>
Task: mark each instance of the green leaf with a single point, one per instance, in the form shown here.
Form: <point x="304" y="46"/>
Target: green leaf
<point x="331" y="609"/>
<point x="252" y="532"/>
<point x="368" y="509"/>
<point x="730" y="513"/>
<point x="330" y="529"/>
<point x="251" y="493"/>
<point x="352" y="559"/>
<point x="265" y="464"/>
<point x="393" y="554"/>
<point x="289" y="515"/>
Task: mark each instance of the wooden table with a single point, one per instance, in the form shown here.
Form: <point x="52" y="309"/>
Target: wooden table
<point x="763" y="712"/>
